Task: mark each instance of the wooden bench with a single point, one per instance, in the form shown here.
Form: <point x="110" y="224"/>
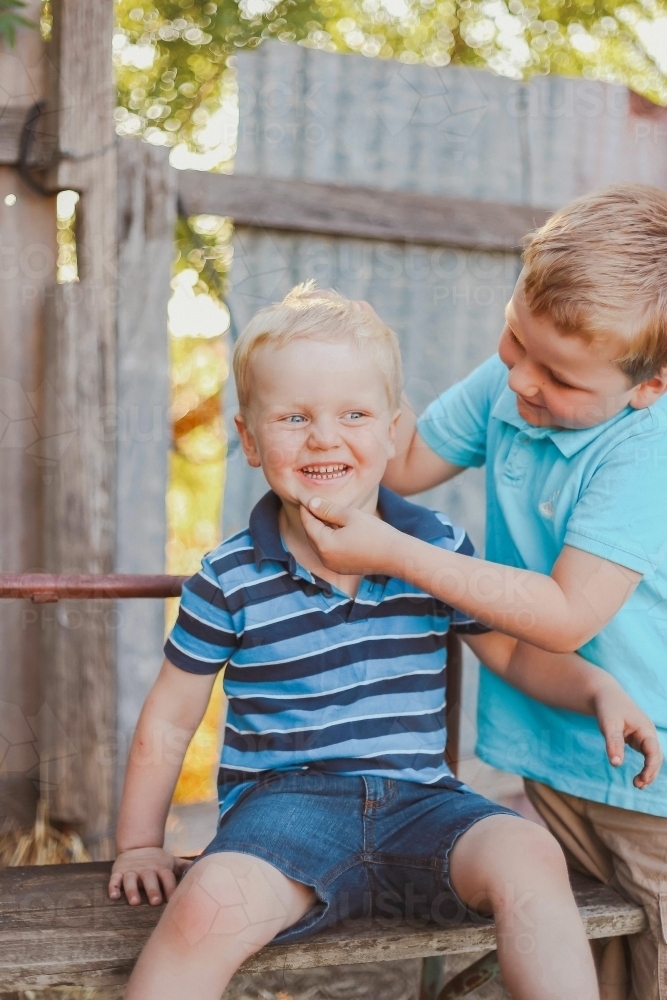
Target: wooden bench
<point x="58" y="926"/>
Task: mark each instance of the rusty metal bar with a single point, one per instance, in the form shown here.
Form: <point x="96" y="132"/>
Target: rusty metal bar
<point x="480" y="972"/>
<point x="47" y="588"/>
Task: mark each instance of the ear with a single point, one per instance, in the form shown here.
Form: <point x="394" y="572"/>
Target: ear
<point x="247" y="440"/>
<point x="391" y="434"/>
<point x="649" y="391"/>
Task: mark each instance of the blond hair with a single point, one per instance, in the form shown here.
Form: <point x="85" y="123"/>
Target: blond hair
<point x="598" y="268"/>
<point x="310" y="314"/>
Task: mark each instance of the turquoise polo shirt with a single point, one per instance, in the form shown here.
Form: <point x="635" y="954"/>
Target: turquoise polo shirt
<point x="604" y="490"/>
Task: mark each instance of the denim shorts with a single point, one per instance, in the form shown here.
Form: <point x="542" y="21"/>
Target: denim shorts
<point x="369" y="846"/>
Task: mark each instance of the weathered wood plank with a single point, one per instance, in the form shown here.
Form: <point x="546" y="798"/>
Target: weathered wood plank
<point x="342" y="210"/>
<point x="58" y="926"/>
<point x="28" y="253"/>
<point x="79" y="675"/>
<point x="146" y="219"/>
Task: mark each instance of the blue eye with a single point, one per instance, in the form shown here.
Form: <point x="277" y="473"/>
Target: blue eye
<point x="355" y="415"/>
<point x="295" y="418"/>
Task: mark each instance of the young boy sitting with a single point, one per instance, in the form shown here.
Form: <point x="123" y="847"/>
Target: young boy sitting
<point x="335" y="798"/>
<point x="571" y="420"/>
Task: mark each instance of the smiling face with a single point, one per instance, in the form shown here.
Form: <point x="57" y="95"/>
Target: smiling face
<point x="319" y="422"/>
<point x="563" y="380"/>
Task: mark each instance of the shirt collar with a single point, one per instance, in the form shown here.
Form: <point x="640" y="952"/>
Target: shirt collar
<point x="568" y="442"/>
<point x="408" y="517"/>
<point x="266" y="532"/>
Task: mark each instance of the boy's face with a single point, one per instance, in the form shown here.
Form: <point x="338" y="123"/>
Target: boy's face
<point x="319" y="422"/>
<point x="562" y="380"/>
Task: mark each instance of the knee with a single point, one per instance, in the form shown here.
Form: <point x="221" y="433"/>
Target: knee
<point x="541" y="849"/>
<point x="210" y="904"/>
<point x="532" y="856"/>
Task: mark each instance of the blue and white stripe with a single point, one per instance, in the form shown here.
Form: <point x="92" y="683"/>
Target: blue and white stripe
<point x="313" y="677"/>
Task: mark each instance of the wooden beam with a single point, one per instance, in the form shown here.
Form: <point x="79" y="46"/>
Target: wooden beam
<point x="329" y="209"/>
<point x="367" y="213"/>
<point x="79" y="731"/>
<point x="58" y="926"/>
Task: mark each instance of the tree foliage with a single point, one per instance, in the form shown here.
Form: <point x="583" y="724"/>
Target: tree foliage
<point x="10" y="20"/>
<point x="172" y="57"/>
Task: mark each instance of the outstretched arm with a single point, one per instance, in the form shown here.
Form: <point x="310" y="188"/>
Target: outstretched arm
<point x="173" y="709"/>
<point x="416" y="467"/>
<point x="560" y="612"/>
<point x="571" y="682"/>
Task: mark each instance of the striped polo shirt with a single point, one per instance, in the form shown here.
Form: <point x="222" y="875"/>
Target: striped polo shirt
<point x="313" y="677"/>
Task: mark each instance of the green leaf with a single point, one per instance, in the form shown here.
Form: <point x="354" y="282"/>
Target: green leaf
<point x="10" y="20"/>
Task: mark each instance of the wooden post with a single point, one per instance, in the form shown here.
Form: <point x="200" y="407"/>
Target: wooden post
<point x="27" y="268"/>
<point x="79" y="725"/>
<point x="146" y="218"/>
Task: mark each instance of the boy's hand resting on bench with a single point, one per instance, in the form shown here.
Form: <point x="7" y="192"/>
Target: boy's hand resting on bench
<point x="152" y="868"/>
<point x="172" y="711"/>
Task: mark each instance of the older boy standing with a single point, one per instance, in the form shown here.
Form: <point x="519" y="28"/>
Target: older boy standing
<point x="570" y="419"/>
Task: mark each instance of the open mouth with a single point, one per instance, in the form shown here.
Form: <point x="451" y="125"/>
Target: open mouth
<point x="318" y="473"/>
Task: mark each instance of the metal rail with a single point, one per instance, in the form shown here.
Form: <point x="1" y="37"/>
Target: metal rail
<point x="47" y="588"/>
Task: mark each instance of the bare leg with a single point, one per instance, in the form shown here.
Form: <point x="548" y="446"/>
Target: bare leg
<point x="228" y="907"/>
<point x="516" y="870"/>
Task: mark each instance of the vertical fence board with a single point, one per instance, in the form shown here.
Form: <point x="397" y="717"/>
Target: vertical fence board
<point x="146" y="218"/>
<point x="27" y="266"/>
<point x="79" y="672"/>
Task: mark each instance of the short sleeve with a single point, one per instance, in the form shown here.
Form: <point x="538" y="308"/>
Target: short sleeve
<point x="458" y="540"/>
<point x="620" y="515"/>
<point x="203" y="638"/>
<point x="455" y="425"/>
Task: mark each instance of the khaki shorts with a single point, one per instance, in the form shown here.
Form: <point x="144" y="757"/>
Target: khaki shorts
<point x="627" y="850"/>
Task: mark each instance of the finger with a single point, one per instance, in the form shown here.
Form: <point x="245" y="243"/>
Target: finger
<point x="130" y="885"/>
<point x="115" y="885"/>
<point x="330" y="513"/>
<point x="649" y="746"/>
<point x="168" y="880"/>
<point x="613" y="737"/>
<point x="316" y="530"/>
<point x="151" y="886"/>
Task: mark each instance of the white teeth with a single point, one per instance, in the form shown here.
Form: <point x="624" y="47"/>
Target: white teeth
<point x="324" y="471"/>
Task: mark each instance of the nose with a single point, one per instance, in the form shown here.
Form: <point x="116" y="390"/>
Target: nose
<point x="323" y="433"/>
<point x="524" y="378"/>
